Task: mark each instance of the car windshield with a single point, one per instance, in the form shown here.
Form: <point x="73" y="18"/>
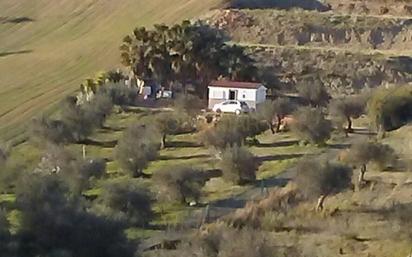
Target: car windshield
<point x="244" y="104"/>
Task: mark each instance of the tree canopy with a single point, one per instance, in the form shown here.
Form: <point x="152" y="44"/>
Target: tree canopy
<point x="311" y="125"/>
<point x="185" y="53"/>
<point x="317" y="178"/>
<point x="138" y="146"/>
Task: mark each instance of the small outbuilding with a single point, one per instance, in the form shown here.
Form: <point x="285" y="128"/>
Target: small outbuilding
<point x="250" y="92"/>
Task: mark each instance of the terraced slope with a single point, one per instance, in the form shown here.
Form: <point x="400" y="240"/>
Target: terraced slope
<point x="47" y="47"/>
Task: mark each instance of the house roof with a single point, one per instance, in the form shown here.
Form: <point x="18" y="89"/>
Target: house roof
<point x="235" y="84"/>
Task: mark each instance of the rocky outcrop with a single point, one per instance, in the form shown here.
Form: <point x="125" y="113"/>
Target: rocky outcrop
<point x="340" y="72"/>
<point x="306" y="29"/>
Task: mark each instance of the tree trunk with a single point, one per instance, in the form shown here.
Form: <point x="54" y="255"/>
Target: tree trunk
<point x="362" y="172"/>
<point x="278" y="124"/>
<point x="349" y="129"/>
<point x="319" y="205"/>
<point x="137" y="173"/>
<point x="271" y="127"/>
<point x="163" y="142"/>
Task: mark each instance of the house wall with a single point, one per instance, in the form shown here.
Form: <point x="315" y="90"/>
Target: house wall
<point x="261" y="95"/>
<point x="220" y="94"/>
<point x="251" y="96"/>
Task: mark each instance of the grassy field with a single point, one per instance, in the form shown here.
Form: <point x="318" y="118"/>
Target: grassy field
<point x="275" y="153"/>
<point x="48" y="47"/>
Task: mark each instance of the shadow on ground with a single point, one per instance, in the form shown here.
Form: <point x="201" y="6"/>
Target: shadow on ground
<point x="281" y="4"/>
<point x="4" y="54"/>
<point x="15" y="20"/>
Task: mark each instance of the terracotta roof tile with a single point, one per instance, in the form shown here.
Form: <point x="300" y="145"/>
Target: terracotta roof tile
<point x="235" y="84"/>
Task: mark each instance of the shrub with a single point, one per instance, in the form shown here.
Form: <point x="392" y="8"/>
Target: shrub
<point x="189" y="104"/>
<point x="314" y="92"/>
<point x="120" y="94"/>
<point x="179" y="184"/>
<point x="316" y="178"/>
<point x="126" y="201"/>
<point x="77" y="173"/>
<point x="390" y="109"/>
<point x="137" y="148"/>
<point x="222" y="241"/>
<point x="232" y="130"/>
<point x="310" y="125"/>
<point x="363" y="153"/>
<point x="276" y="110"/>
<point x="348" y="108"/>
<point x="44" y="130"/>
<point x="53" y="221"/>
<point x="238" y="165"/>
<point x="170" y="123"/>
<point x="97" y="110"/>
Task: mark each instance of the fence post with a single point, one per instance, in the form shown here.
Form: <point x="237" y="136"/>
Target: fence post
<point x="84" y="152"/>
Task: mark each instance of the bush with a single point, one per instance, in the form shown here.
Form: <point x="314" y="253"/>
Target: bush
<point x="238" y="165"/>
<point x="44" y="130"/>
<point x="179" y="184"/>
<point x="77" y="173"/>
<point x="170" y="123"/>
<point x="222" y="241"/>
<point x="125" y="201"/>
<point x="316" y="178"/>
<point x="348" y="108"/>
<point x="189" y="104"/>
<point x="137" y="148"/>
<point x="310" y="125"/>
<point x="363" y="153"/>
<point x="54" y="221"/>
<point x="390" y="109"/>
<point x="314" y="92"/>
<point x="120" y="94"/>
<point x="232" y="130"/>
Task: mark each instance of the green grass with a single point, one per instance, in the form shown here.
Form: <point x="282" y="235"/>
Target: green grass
<point x="66" y="42"/>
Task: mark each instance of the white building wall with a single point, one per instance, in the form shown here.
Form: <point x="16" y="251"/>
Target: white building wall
<point x="261" y="95"/>
<point x="251" y="96"/>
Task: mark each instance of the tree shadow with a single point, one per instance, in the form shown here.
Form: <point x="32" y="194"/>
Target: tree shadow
<point x="104" y="144"/>
<point x="278" y="157"/>
<point x="280" y="4"/>
<point x="363" y="131"/>
<point x="181" y="144"/>
<point x="4" y="54"/>
<point x="339" y="146"/>
<point x="15" y="20"/>
<point x="168" y="158"/>
<point x="278" y="144"/>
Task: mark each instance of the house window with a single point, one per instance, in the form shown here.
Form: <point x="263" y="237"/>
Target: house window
<point x="244" y="96"/>
<point x="218" y="94"/>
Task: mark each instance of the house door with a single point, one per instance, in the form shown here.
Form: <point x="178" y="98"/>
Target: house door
<point x="232" y="95"/>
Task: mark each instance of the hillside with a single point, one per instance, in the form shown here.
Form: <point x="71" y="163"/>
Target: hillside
<point x="48" y="47"/>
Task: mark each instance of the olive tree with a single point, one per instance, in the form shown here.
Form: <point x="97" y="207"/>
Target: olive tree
<point x="54" y="222"/>
<point x="348" y="108"/>
<point x="362" y="153"/>
<point x="77" y="173"/>
<point x="179" y="183"/>
<point x="238" y="165"/>
<point x="125" y="201"/>
<point x="319" y="179"/>
<point x="274" y="111"/>
<point x="311" y="125"/>
<point x="170" y="123"/>
<point x="314" y="93"/>
<point x="137" y="148"/>
<point x="232" y="130"/>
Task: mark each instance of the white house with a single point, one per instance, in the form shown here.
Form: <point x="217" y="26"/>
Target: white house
<point x="222" y="90"/>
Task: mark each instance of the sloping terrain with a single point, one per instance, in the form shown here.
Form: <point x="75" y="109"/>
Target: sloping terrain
<point x="47" y="47"/>
<point x="346" y="51"/>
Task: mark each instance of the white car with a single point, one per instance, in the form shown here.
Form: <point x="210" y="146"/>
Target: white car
<point x="232" y="106"/>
